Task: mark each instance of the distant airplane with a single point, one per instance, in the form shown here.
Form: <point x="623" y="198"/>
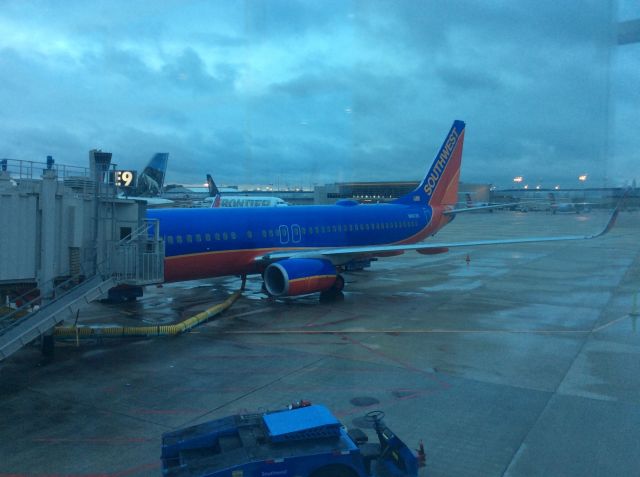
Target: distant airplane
<point x="470" y="203"/>
<point x="483" y="206"/>
<point x="471" y="206"/>
<point x="303" y="249"/>
<point x="218" y="199"/>
<point x="150" y="181"/>
<point x="568" y="207"/>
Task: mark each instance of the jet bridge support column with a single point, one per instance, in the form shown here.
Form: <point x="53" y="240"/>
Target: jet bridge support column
<point x="47" y="237"/>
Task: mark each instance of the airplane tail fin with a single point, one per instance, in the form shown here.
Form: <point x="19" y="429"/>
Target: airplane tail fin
<point x="440" y="185"/>
<point x="213" y="191"/>
<point x="469" y="202"/>
<point x="151" y="180"/>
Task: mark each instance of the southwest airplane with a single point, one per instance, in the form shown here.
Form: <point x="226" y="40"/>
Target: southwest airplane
<point x="303" y="249"/>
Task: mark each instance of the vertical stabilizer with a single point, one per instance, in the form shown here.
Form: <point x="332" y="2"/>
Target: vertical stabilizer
<point x="469" y="202"/>
<point x="440" y="185"/>
<point x="213" y="191"/>
<point x="151" y="180"/>
<point x="211" y="185"/>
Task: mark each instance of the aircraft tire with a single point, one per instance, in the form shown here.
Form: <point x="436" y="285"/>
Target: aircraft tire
<point x="338" y="285"/>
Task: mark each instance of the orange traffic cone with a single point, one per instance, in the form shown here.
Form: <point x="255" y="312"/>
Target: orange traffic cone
<point x="422" y="455"/>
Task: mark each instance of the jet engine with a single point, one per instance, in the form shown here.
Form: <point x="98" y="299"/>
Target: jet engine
<point x="433" y="251"/>
<point x="299" y="276"/>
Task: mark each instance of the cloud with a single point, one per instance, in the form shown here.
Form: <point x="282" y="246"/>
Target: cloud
<point x="307" y="92"/>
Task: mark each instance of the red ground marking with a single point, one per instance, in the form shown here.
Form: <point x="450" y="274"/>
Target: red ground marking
<point x="408" y="366"/>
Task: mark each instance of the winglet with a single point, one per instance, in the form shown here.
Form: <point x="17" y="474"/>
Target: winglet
<point x="610" y="223"/>
<point x="614" y="215"/>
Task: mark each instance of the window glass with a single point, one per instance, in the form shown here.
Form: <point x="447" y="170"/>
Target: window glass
<point x="316" y="102"/>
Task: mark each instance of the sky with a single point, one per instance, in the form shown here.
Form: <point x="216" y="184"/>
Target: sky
<point x="296" y="93"/>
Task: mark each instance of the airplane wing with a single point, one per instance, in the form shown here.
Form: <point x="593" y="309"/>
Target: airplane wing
<point x="481" y="207"/>
<point x="342" y="255"/>
<point x="149" y="200"/>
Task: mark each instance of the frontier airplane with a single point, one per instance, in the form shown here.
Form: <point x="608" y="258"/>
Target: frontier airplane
<point x="303" y="249"/>
<point x="218" y="199"/>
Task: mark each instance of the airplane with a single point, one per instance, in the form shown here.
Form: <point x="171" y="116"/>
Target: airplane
<point x="470" y="203"/>
<point x="568" y="207"/>
<point x="217" y="199"/>
<point x="303" y="249"/>
<point x="150" y="181"/>
<point x="482" y="206"/>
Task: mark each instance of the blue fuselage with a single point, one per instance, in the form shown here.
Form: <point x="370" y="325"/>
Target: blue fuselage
<point x="224" y="241"/>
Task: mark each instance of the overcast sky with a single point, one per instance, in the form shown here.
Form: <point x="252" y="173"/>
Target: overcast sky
<point x="301" y="92"/>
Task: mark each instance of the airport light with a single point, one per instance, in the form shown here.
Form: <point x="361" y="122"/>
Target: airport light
<point x="526" y="186"/>
<point x="582" y="177"/>
<point x="557" y="187"/>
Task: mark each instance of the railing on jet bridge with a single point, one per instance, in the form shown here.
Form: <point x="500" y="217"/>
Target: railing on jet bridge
<point x="31" y="300"/>
<point x="20" y="169"/>
<point x="138" y="259"/>
<point x="75" y="177"/>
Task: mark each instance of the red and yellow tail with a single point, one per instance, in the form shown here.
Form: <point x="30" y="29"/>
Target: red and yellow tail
<point x="440" y="185"/>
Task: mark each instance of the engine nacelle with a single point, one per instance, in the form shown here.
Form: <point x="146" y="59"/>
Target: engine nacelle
<point x="299" y="276"/>
<point x="433" y="251"/>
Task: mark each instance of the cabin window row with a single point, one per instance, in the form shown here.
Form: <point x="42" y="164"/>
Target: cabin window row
<point x="191" y="238"/>
<point x="317" y="230"/>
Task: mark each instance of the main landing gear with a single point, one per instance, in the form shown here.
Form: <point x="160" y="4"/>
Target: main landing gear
<point x="335" y="292"/>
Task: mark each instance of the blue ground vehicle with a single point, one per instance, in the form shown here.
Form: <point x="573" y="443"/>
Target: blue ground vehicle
<point x="301" y="442"/>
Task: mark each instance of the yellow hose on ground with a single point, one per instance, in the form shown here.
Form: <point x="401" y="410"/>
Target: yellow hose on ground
<point x="158" y="330"/>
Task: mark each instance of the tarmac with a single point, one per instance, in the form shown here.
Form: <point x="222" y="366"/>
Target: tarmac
<point x="514" y="360"/>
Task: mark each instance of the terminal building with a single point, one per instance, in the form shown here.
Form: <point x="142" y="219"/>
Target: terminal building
<point x="373" y="192"/>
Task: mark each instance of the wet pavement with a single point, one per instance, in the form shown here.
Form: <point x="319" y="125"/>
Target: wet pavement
<point x="523" y="360"/>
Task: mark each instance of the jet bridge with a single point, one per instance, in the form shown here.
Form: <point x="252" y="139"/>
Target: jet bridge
<point x="66" y="238"/>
